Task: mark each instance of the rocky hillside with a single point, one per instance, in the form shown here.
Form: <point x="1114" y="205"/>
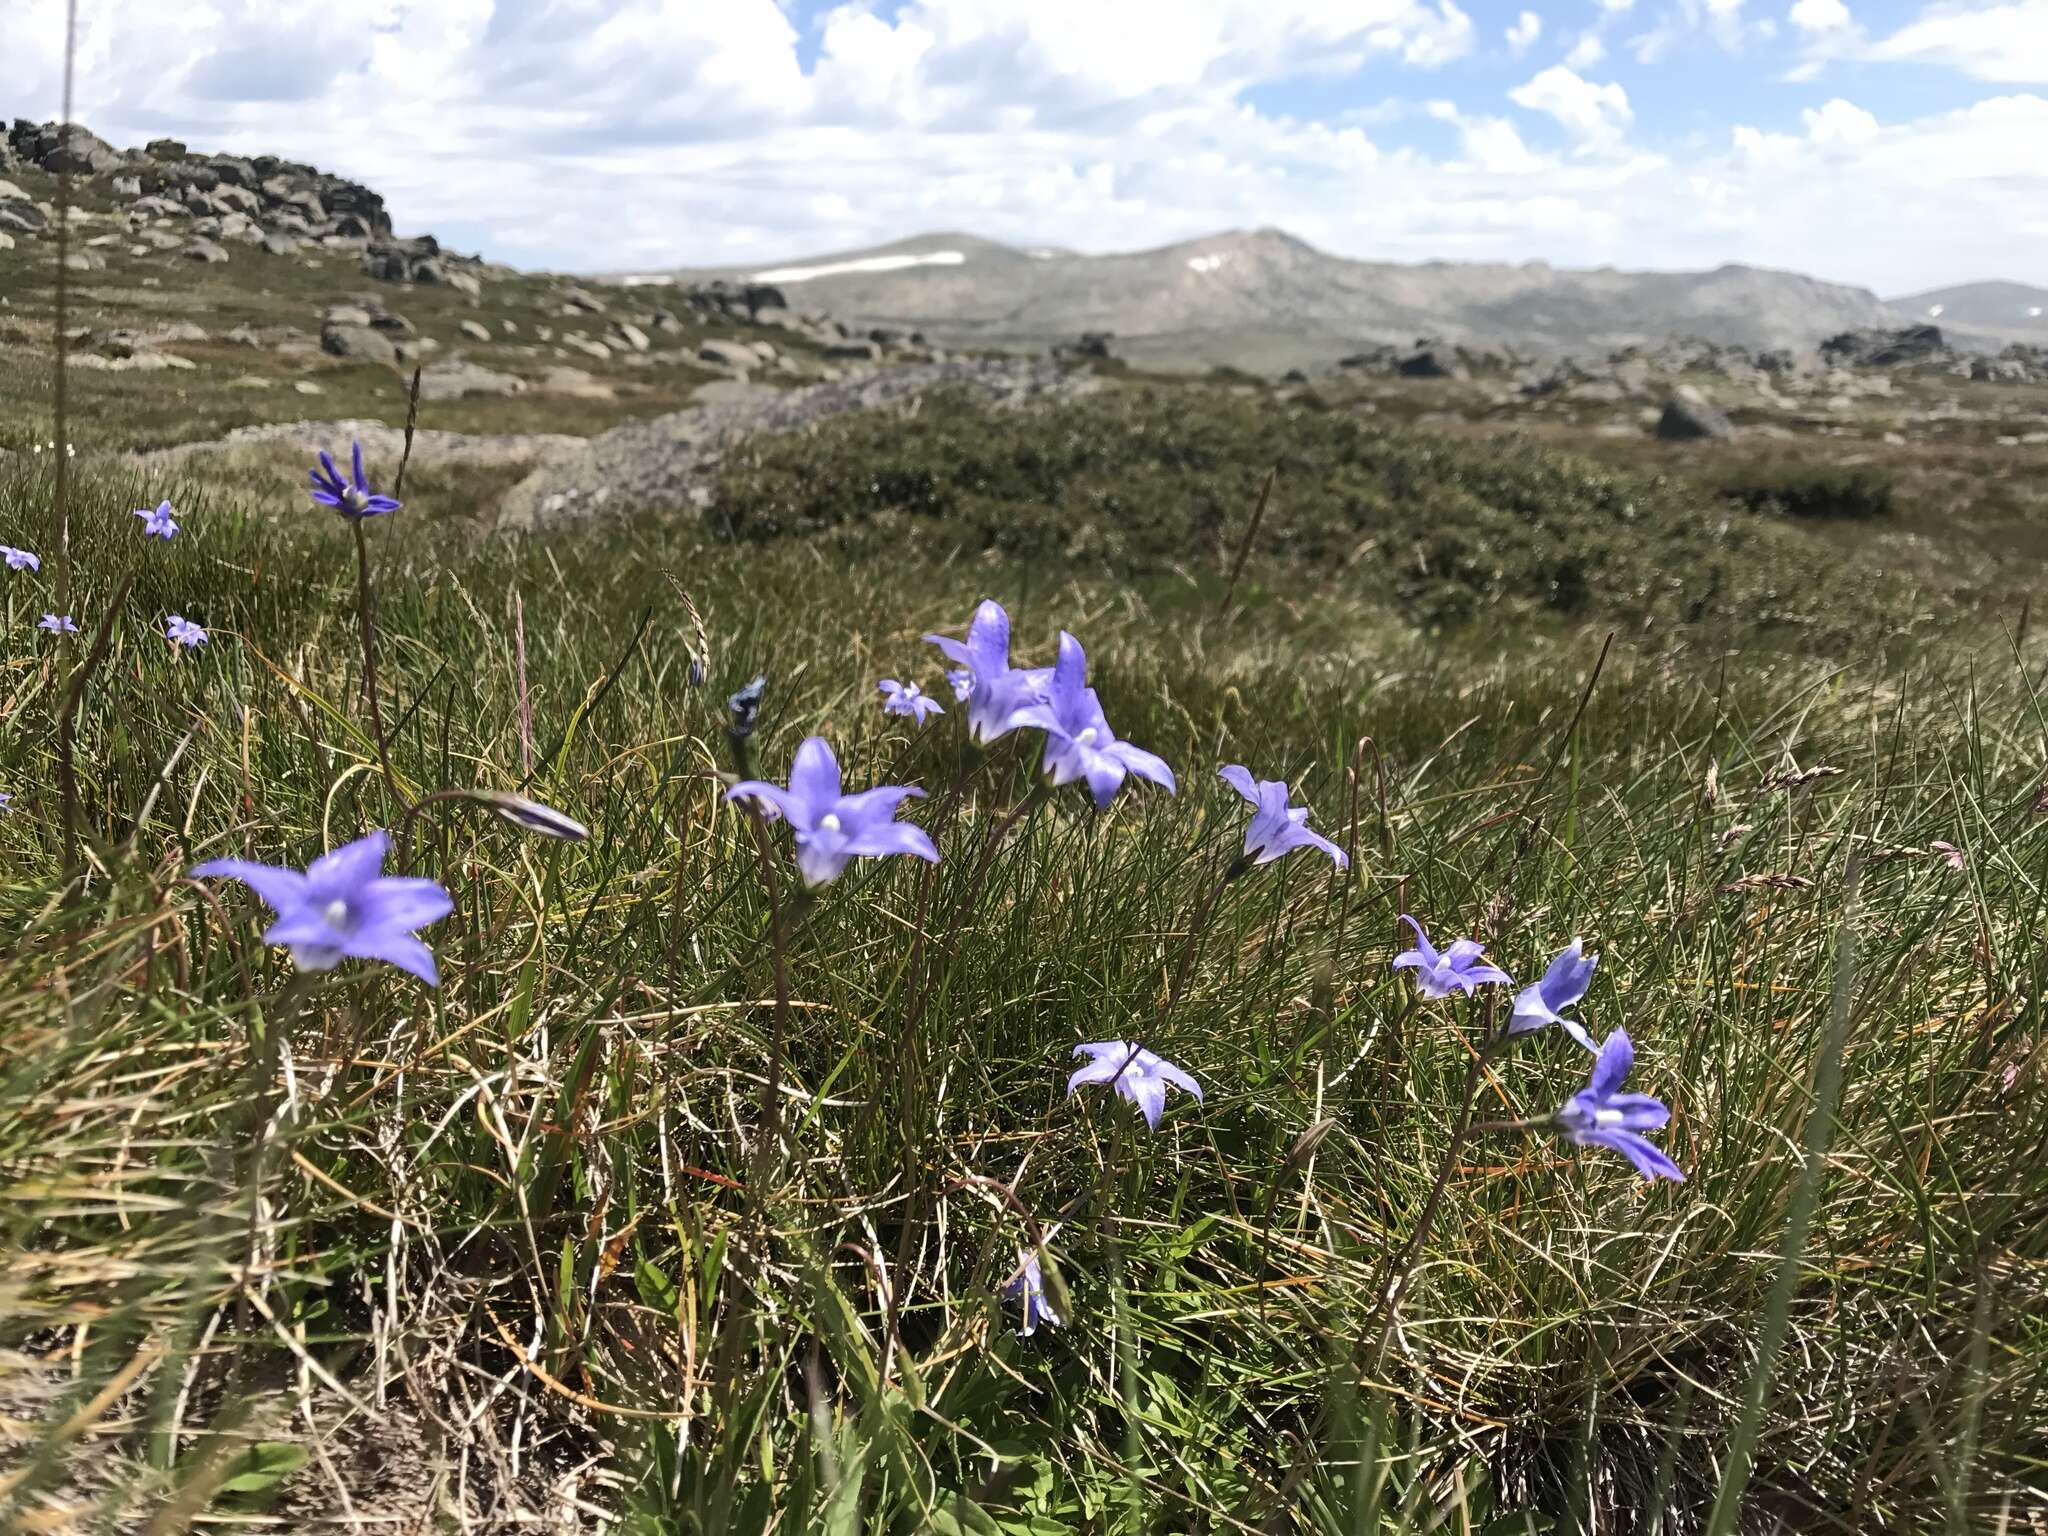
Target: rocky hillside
<point x="1267" y="301"/>
<point x="1996" y="311"/>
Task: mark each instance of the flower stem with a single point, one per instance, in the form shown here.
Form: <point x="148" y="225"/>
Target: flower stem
<point x="1198" y="927"/>
<point x="1402" y="1266"/>
<point x="366" y="610"/>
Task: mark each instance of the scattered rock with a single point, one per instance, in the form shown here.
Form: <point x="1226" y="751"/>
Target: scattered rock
<point x="86" y="261"/>
<point x="576" y="384"/>
<point x="10" y="193"/>
<point x="861" y="351"/>
<point x="1689" y="416"/>
<point x="205" y="251"/>
<point x="307" y="387"/>
<point x="25" y="218"/>
<point x="587" y="347"/>
<point x="476" y="331"/>
<point x="454" y="381"/>
<point x="728" y="354"/>
<point x="6" y="241"/>
<point x="583" y="299"/>
<point x="625" y="333"/>
<point x="361" y="342"/>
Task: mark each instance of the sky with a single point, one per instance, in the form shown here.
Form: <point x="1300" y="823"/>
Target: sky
<point x="1899" y="145"/>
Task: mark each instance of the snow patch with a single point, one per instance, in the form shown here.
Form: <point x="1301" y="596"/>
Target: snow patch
<point x="1207" y="263"/>
<point x="860" y="264"/>
<point x="1934" y="311"/>
<point x="2033" y="312"/>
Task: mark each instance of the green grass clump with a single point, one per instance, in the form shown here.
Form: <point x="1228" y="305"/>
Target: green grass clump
<point x="1832" y="490"/>
<point x="1137" y="482"/>
<point x="524" y="1235"/>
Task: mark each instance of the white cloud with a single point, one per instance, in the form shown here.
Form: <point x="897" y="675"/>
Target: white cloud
<point x="1616" y="7"/>
<point x="631" y="134"/>
<point x="1839" y="122"/>
<point x="1819" y="15"/>
<point x="1586" y="52"/>
<point x="2007" y="43"/>
<point x="1523" y="34"/>
<point x="1593" y="114"/>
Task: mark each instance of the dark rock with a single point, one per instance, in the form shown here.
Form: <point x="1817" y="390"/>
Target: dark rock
<point x="861" y="351"/>
<point x="1429" y="363"/>
<point x="361" y="342"/>
<point x="26" y="217"/>
<point x="1885" y="349"/>
<point x="165" y="149"/>
<point x="66" y="150"/>
<point x="1689" y="416"/>
<point x="238" y="173"/>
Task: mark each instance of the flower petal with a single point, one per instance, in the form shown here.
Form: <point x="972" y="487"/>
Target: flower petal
<point x="1174" y="1075"/>
<point x="349" y="867"/>
<point x="1649" y="1159"/>
<point x="1424" y="952"/>
<point x="279" y="888"/>
<point x="988" y="640"/>
<point x="406" y="902"/>
<point x="1239" y="778"/>
<point x="813" y="781"/>
<point x="1611" y="1067"/>
<point x="778" y="798"/>
<point x="1145" y="765"/>
<point x="1148" y="1093"/>
<point x="399" y="949"/>
<point x="879" y="839"/>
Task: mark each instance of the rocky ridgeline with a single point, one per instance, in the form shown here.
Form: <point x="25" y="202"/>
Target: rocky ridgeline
<point x="171" y="201"/>
<point x="199" y="206"/>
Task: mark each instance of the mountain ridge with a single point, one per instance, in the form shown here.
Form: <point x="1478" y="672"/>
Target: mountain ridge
<point x="1264" y="297"/>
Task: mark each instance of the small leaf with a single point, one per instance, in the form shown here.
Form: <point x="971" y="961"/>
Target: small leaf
<point x="264" y="1465"/>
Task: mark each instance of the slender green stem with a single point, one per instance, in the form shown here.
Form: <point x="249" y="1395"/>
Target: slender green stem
<point x="366" y="610"/>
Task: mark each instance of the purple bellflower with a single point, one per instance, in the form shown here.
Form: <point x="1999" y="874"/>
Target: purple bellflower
<point x="908" y="699"/>
<point x="1457" y="969"/>
<point x="1078" y="741"/>
<point x="157" y="522"/>
<point x="344" y="905"/>
<point x="1027" y="1285"/>
<point x="1562" y="986"/>
<point x="995" y="689"/>
<point x="19" y="559"/>
<point x="182" y="631"/>
<point x="1276" y="829"/>
<point x="1601" y="1116"/>
<point x="6" y="800"/>
<point x="1138" y="1074"/>
<point x="57" y="624"/>
<point x="962" y="681"/>
<point x="831" y="828"/>
<point x="350" y="497"/>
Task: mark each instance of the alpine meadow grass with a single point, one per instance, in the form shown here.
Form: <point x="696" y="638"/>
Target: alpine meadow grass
<point x="718" y="1172"/>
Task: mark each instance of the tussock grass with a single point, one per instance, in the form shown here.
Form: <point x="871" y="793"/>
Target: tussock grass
<point x="521" y="1237"/>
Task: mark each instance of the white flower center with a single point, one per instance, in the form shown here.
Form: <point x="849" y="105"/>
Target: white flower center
<point x="1086" y="738"/>
<point x="352" y="499"/>
<point x="1608" y="1119"/>
<point x="336" y="913"/>
<point x="828" y="822"/>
